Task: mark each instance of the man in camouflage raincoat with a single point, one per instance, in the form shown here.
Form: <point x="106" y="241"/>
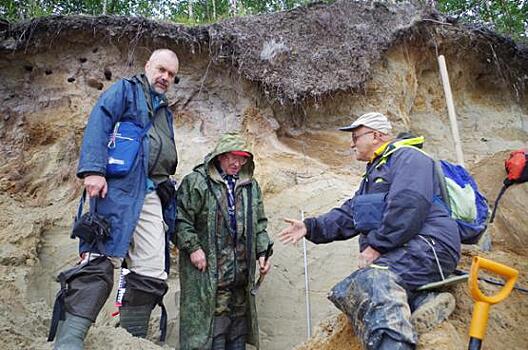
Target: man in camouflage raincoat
<point x="221" y="233"/>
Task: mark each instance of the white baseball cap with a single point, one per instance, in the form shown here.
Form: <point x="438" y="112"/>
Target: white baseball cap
<point x="373" y="120"/>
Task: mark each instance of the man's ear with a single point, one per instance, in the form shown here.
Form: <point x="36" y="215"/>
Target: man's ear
<point x="377" y="137"/>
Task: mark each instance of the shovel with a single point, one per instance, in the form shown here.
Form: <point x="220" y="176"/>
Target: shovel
<point x="479" y="320"/>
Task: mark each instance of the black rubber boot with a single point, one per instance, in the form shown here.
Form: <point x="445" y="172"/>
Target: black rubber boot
<point x="135" y="319"/>
<point x="71" y="333"/>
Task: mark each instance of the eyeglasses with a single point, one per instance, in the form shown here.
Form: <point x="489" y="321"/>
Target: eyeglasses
<point x="356" y="137"/>
<point x="239" y="159"/>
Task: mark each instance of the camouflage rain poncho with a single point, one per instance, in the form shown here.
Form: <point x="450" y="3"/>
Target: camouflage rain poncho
<point x="199" y="222"/>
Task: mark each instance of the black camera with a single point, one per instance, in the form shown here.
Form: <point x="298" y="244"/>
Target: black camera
<point x="91" y="227"/>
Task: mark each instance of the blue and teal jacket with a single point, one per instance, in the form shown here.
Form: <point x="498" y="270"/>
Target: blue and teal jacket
<point x="123" y="101"/>
<point x="404" y="177"/>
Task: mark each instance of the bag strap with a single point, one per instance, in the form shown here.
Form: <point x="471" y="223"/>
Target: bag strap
<point x="149" y="109"/>
<point x="249" y="231"/>
<point x="148" y="102"/>
<point x="81" y="204"/>
<point x="210" y="187"/>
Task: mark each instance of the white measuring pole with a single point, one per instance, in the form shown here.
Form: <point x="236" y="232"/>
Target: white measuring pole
<point x="306" y="287"/>
<point x="451" y="109"/>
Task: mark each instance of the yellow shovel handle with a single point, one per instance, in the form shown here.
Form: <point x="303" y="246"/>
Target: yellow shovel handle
<point x="507" y="272"/>
<point x="479" y="320"/>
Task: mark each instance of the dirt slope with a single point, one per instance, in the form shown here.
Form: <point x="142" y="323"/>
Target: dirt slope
<point x="289" y="104"/>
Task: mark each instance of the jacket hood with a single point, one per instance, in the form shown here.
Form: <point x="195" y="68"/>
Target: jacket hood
<point x="228" y="142"/>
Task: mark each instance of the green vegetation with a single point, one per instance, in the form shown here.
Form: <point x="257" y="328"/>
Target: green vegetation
<point x="509" y="17"/>
<point x="186" y="11"/>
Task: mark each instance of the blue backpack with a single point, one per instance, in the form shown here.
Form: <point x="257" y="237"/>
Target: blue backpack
<point x="460" y="195"/>
<point x="462" y="198"/>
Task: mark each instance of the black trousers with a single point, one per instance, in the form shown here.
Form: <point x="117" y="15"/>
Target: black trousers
<point x="229" y="333"/>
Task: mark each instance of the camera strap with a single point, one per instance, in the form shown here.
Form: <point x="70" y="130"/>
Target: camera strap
<point x="93" y="214"/>
<point x="93" y="205"/>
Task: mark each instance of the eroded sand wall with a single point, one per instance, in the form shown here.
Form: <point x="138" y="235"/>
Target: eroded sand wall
<point x="303" y="163"/>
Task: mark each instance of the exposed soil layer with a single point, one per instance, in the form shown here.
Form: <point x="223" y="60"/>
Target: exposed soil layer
<point x="286" y="81"/>
<point x="308" y="52"/>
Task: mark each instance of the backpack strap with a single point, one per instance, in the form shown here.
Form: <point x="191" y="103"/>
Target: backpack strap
<point x="439" y="174"/>
<point x="517" y="170"/>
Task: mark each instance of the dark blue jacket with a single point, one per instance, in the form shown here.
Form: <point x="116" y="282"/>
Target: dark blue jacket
<point x="123" y="101"/>
<point x="406" y="175"/>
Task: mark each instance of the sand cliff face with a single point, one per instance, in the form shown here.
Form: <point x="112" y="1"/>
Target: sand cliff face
<point x="303" y="163"/>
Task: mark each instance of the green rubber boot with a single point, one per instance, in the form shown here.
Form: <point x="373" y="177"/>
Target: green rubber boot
<point x="71" y="333"/>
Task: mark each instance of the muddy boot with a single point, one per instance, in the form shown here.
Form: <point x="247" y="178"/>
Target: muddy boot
<point x="388" y="343"/>
<point x="71" y="333"/>
<point x="376" y="305"/>
<point x="431" y="310"/>
<point x="135" y="319"/>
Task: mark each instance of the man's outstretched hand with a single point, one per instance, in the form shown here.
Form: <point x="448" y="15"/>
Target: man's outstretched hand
<point x="294" y="232"/>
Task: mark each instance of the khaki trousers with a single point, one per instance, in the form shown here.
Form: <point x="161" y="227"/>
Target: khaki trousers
<point x="146" y="254"/>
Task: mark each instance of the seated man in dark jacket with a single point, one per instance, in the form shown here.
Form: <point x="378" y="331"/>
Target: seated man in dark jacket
<point x="407" y="239"/>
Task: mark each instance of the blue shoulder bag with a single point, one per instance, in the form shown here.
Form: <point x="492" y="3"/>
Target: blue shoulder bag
<point x="123" y="147"/>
